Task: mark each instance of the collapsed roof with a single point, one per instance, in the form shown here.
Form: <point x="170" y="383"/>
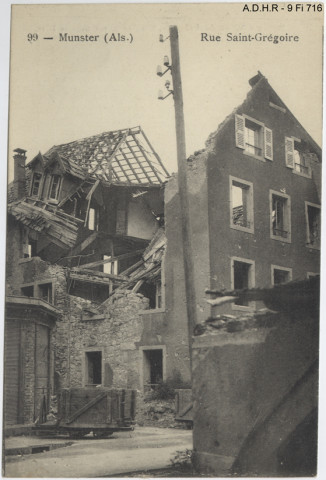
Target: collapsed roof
<point x="122" y="157"/>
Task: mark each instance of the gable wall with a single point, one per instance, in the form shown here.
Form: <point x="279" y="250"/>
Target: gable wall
<point x="226" y="159"/>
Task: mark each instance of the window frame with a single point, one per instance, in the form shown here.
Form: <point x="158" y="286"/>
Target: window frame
<point x="39" y="186"/>
<point x="266" y="137"/>
<point x="290" y="142"/>
<point x="279" y="267"/>
<point x="95" y="219"/>
<point x="287" y="213"/>
<point x="250" y="207"/>
<point x="308" y="243"/>
<point x="85" y="365"/>
<point x="141" y="362"/>
<point x="36" y="286"/>
<point x="251" y="282"/>
<point x="58" y="187"/>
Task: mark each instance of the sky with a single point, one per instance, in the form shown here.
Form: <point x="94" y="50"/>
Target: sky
<point x="63" y="91"/>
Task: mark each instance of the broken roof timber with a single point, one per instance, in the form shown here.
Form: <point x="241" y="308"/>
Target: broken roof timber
<point x="60" y="227"/>
<point x="109" y="260"/>
<point x="122" y="157"/>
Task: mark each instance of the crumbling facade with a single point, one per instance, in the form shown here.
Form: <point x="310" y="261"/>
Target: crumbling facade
<point x="80" y="221"/>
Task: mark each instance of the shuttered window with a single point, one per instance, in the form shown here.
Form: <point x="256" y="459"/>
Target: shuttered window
<point x="289" y="152"/>
<point x="253" y="137"/>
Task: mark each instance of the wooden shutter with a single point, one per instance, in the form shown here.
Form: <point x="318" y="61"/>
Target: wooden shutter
<point x="289" y="152"/>
<point x="268" y="143"/>
<point x="240" y="131"/>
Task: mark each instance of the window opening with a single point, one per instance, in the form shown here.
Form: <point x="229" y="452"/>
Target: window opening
<point x="29" y="249"/>
<point x="242" y="279"/>
<point x="281" y="276"/>
<point x="54" y="187"/>
<point x="241" y="205"/>
<point x="36" y="183"/>
<point x="93" y="219"/>
<point x="154" y="292"/>
<point x="313" y="214"/>
<point x="93" y="368"/>
<point x="299" y="160"/>
<point x="279" y="216"/>
<point x="158" y="294"/>
<point x="45" y="292"/>
<point x="253" y="138"/>
<point x="27" y="291"/>
<point x="153" y="367"/>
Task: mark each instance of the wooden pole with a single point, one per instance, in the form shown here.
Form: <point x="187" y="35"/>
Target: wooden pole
<point x="183" y="187"/>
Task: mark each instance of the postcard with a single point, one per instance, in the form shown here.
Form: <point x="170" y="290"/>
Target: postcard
<point x="163" y="240"/>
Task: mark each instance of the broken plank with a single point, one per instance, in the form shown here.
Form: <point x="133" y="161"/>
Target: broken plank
<point x="109" y="260"/>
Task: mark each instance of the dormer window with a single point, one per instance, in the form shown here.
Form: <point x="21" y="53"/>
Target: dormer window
<point x="253" y="137"/>
<point x="36" y="184"/>
<point x="54" y="189"/>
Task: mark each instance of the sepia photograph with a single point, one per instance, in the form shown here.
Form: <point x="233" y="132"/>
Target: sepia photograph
<point x="163" y="240"/>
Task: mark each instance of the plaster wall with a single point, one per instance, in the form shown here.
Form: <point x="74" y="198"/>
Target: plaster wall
<point x="225" y="159"/>
<point x="240" y="379"/>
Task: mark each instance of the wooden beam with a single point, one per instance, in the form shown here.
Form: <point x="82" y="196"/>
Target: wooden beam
<point x="156" y="154"/>
<point x="87" y="279"/>
<point x="101" y="274"/>
<point x="140" y="164"/>
<point x="108" y="260"/>
<point x="132" y="267"/>
<point x="128" y="162"/>
<point x="79" y="248"/>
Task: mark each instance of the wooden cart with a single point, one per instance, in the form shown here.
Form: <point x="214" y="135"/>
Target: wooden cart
<point x="99" y="410"/>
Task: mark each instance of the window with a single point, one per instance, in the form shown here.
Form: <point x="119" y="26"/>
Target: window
<point x="281" y="275"/>
<point x="312" y="274"/>
<point x="313" y="224"/>
<point x="29" y="249"/>
<point x="54" y="189"/>
<point x="93" y="366"/>
<point x="280" y="213"/>
<point x="154" y="291"/>
<point x="152" y="367"/>
<point x="297" y="156"/>
<point x="241" y="202"/>
<point x="242" y="277"/>
<point x="158" y="294"/>
<point x="45" y="292"/>
<point x="36" y="184"/>
<point x="110" y="267"/>
<point x="253" y="137"/>
<point x="27" y="291"/>
<point x="93" y="219"/>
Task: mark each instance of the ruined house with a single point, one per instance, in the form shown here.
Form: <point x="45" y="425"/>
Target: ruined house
<point x="80" y="221"/>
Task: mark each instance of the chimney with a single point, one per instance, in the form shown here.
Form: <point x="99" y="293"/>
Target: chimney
<point x="19" y="173"/>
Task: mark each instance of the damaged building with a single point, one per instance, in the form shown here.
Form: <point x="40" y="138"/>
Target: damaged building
<point x="85" y="247"/>
<point x="94" y="255"/>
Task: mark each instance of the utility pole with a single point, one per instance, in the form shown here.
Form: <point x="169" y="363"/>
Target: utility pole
<point x="183" y="187"/>
<point x="174" y="68"/>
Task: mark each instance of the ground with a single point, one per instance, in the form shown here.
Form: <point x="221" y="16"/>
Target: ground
<point x="145" y="448"/>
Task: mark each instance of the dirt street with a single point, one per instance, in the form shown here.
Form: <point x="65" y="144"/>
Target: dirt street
<point x="143" y="449"/>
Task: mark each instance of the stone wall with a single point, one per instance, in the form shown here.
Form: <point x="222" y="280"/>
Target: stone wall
<point x="115" y="335"/>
